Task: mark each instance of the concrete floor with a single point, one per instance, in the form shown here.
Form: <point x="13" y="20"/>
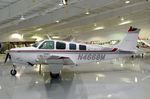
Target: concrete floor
<point x="123" y="78"/>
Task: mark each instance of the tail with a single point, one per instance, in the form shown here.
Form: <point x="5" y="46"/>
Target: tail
<point x="129" y="43"/>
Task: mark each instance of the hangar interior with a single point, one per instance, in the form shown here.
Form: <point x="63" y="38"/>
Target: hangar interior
<point x="24" y="22"/>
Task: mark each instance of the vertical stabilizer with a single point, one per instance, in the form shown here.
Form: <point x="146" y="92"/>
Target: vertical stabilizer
<point x="129" y="43"/>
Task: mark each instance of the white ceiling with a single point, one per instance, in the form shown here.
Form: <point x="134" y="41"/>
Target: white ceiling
<point x="72" y="17"/>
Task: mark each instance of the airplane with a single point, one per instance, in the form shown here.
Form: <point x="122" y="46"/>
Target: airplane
<point x="56" y="53"/>
<point x="144" y="45"/>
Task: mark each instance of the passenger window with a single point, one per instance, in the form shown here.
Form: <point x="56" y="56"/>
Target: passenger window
<point x="72" y="46"/>
<point x="82" y="47"/>
<point x="60" y="45"/>
<point x="47" y="45"/>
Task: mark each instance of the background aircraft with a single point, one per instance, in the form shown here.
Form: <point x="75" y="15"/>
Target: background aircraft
<point x="13" y="44"/>
<point x="144" y="45"/>
<point x="56" y="53"/>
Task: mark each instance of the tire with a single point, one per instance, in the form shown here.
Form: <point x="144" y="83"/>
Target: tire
<point x="13" y="72"/>
<point x="54" y="76"/>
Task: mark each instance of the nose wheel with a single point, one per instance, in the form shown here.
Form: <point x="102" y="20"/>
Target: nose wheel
<point x="13" y="72"/>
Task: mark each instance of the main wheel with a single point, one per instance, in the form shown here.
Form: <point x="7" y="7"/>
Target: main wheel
<point x="13" y="72"/>
<point x="55" y="76"/>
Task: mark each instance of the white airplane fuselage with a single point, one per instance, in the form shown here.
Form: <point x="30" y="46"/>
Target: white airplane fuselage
<point x="35" y="55"/>
<point x="58" y="53"/>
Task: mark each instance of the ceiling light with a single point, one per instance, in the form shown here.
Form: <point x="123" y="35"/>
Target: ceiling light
<point x="99" y="28"/>
<point x="87" y="13"/>
<point x="22" y="18"/>
<point x="109" y="96"/>
<point x="95" y="24"/>
<point x="55" y="37"/>
<point x="39" y="29"/>
<point x="122" y="19"/>
<point x="36" y="82"/>
<point x="127" y="1"/>
<point x="125" y="22"/>
<point x="57" y="21"/>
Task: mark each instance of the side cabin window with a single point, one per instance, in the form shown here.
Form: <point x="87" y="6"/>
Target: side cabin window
<point x="60" y="45"/>
<point x="72" y="46"/>
<point x="47" y="45"/>
<point x="82" y="47"/>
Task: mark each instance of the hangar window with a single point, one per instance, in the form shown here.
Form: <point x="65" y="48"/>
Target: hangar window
<point x="72" y="46"/>
<point x="47" y="45"/>
<point x="60" y="45"/>
<point x="82" y="47"/>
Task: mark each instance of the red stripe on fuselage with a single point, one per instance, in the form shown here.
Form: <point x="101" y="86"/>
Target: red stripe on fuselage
<point x="59" y="51"/>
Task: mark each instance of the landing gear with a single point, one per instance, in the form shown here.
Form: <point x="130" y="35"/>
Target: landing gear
<point x="54" y="75"/>
<point x="55" y="69"/>
<point x="13" y="72"/>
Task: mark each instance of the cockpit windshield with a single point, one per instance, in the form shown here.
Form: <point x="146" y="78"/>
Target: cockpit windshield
<point x="36" y="44"/>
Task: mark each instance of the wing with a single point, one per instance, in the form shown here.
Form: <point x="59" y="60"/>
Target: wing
<point x="53" y="59"/>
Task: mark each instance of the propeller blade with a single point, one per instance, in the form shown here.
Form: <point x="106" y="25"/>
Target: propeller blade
<point x="7" y="57"/>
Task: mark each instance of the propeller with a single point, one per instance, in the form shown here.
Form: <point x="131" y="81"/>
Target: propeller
<point x="7" y="57"/>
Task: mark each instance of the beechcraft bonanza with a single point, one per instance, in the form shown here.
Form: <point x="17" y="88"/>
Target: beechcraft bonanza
<point x="56" y="53"/>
